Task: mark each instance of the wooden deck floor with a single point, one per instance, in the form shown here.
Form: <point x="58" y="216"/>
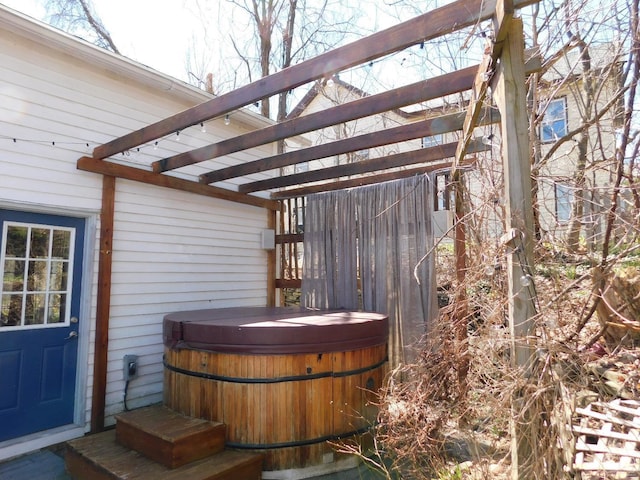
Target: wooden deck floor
<point x="46" y="465"/>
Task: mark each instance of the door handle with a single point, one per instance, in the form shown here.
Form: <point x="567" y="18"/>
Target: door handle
<point x="72" y="334"/>
<point x="73" y="319"/>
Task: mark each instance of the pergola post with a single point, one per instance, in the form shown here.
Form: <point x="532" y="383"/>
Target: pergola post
<point x="511" y="99"/>
<point x="103" y="307"/>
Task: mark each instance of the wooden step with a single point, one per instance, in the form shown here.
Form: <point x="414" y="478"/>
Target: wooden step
<point x="101" y="457"/>
<point x="168" y="437"/>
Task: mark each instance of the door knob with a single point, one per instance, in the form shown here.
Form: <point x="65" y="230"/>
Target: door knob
<point x="73" y="319"/>
<point x="72" y="334"/>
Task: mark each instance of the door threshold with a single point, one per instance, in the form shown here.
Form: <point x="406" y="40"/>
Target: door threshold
<point x="35" y="441"/>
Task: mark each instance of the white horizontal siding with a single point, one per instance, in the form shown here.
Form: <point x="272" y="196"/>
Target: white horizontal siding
<point x="175" y="251"/>
<point x="172" y="251"/>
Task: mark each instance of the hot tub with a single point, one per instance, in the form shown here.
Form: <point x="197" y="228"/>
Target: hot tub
<point x="285" y="381"/>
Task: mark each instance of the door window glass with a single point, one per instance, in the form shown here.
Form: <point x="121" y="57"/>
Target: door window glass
<point x="36" y="280"/>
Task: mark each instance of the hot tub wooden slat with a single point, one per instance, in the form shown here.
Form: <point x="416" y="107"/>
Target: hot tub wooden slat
<point x="276" y="414"/>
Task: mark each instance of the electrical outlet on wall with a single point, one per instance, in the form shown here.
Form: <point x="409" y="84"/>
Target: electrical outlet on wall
<point x="130" y="367"/>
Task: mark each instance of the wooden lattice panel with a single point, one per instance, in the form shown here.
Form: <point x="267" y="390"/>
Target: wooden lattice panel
<point x="608" y="440"/>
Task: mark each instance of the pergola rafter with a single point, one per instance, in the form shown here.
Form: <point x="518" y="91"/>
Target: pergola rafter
<point x="424" y="90"/>
<point x="431" y="25"/>
<point x="429" y="155"/>
<point x="367" y="180"/>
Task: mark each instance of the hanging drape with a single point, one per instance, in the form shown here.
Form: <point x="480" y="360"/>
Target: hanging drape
<point x="330" y="258"/>
<point x="382" y="232"/>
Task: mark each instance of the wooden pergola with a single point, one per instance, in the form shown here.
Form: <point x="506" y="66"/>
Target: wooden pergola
<point x="502" y="69"/>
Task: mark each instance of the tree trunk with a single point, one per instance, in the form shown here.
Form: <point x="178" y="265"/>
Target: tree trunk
<point x="577" y="208"/>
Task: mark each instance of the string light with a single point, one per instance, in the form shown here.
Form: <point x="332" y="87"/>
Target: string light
<point x="88" y="146"/>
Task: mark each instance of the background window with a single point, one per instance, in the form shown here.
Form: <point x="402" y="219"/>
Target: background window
<point x="301" y="167"/>
<point x="554" y="120"/>
<point x="444" y="192"/>
<point x="432" y="141"/>
<point x="564" y="199"/>
<point x="361" y="155"/>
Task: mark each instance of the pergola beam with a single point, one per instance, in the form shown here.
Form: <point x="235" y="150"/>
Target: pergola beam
<point x="438" y="22"/>
<point x="136" y="174"/>
<point x="502" y="23"/>
<point x="424" y="90"/>
<point x="433" y="126"/>
<point x="366" y="180"/>
<point x="423" y="155"/>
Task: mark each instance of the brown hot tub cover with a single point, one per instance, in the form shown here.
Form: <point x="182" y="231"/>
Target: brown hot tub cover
<point x="274" y="330"/>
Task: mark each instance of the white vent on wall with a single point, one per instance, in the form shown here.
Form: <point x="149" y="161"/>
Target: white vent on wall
<point x="268" y="239"/>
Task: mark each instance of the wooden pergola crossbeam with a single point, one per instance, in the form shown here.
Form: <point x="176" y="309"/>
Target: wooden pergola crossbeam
<point x="424" y="90"/>
<point x="423" y="155"/>
<point x="136" y="174"/>
<point x="432" y="126"/>
<point x="502" y="23"/>
<point x="431" y="25"/>
<point x="366" y="180"/>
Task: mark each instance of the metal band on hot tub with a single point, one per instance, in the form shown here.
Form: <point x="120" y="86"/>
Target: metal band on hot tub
<point x="292" y="378"/>
<point x="297" y="443"/>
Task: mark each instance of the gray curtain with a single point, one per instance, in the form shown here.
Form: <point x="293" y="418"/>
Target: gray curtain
<point x="383" y="231"/>
<point x="329" y="264"/>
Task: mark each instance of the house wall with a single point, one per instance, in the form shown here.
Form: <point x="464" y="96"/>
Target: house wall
<point x="172" y="250"/>
<point x="561" y="167"/>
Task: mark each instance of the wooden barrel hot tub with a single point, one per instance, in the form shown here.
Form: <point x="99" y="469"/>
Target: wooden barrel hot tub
<point x="285" y="381"/>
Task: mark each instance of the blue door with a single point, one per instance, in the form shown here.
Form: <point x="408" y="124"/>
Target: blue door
<point x="41" y="260"/>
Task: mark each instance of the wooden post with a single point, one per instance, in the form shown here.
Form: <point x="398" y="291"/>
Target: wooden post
<point x="103" y="309"/>
<point x="511" y="98"/>
<point x="461" y="310"/>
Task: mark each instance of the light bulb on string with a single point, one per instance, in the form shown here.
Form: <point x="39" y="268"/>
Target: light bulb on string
<point x="155" y="145"/>
<point x="178" y="136"/>
<point x="203" y="128"/>
<point x="525" y="280"/>
<point x="227" y="119"/>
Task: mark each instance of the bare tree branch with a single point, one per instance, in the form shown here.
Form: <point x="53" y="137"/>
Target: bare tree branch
<point x="78" y="17"/>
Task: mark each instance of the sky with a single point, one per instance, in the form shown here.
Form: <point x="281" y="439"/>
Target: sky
<point x="174" y="37"/>
<point x="143" y="31"/>
<point x="159" y="33"/>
